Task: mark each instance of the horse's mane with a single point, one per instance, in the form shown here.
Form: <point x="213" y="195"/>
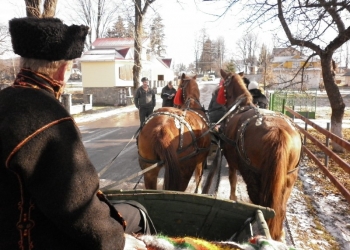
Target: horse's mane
<point x="239" y="83"/>
<point x="194" y="90"/>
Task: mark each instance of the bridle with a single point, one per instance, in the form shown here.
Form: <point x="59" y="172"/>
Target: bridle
<point x="183" y="86"/>
<point x="225" y="85"/>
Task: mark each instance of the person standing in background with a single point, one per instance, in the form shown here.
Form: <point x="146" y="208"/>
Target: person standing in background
<point x="168" y="94"/>
<point x="145" y="100"/>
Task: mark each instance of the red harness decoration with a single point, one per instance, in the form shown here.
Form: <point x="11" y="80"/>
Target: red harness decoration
<point x="221" y="99"/>
<point x="178" y="97"/>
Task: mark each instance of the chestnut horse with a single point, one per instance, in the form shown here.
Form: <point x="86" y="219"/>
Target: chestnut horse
<point x="263" y="145"/>
<point x="177" y="138"/>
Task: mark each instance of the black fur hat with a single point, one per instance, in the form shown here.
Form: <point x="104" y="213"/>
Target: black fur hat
<point x="47" y="38"/>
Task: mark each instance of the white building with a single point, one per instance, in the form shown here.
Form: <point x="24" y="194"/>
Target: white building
<point x="286" y="67"/>
<point x="107" y="69"/>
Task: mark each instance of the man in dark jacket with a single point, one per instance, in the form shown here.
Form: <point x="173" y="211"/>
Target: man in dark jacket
<point x="215" y="110"/>
<point x="168" y="94"/>
<point x="145" y="100"/>
<point x="259" y="99"/>
<point x="49" y="189"/>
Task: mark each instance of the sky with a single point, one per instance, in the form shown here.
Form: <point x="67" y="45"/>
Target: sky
<point x="183" y="20"/>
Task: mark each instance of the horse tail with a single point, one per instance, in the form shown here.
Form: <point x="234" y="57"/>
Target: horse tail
<point x="165" y="148"/>
<point x="274" y="177"/>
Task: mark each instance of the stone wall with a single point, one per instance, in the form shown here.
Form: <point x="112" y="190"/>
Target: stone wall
<point x="114" y="96"/>
<point x="66" y="100"/>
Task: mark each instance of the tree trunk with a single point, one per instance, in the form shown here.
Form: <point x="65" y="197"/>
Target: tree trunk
<point x="33" y="8"/>
<point x="49" y="8"/>
<point x="137" y="44"/>
<point x="334" y="96"/>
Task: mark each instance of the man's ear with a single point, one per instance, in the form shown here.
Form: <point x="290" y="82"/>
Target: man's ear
<point x="59" y="75"/>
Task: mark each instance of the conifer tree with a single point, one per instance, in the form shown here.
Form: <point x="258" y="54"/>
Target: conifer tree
<point x="118" y="29"/>
<point x="157" y="36"/>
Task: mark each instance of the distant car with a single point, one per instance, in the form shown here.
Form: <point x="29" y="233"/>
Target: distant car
<point x="211" y="78"/>
<point x="75" y="74"/>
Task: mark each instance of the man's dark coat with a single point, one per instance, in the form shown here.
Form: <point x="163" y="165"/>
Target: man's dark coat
<point x="215" y="110"/>
<point x="47" y="180"/>
<point x="166" y="92"/>
<point x="259" y="99"/>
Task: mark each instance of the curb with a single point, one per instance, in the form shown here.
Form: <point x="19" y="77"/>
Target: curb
<point x="108" y="111"/>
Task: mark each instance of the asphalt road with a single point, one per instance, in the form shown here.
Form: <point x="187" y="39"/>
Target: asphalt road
<point x="111" y="147"/>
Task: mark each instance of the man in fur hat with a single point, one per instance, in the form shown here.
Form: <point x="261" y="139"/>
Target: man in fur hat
<point x="49" y="189"/>
<point x="259" y="99"/>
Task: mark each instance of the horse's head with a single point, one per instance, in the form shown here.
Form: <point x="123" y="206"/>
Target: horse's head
<point x="187" y="89"/>
<point x="233" y="89"/>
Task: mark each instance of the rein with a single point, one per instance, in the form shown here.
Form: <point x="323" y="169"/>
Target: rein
<point x="115" y="157"/>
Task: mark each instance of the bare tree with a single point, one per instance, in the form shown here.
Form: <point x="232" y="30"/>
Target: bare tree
<point x="220" y="49"/>
<point x="4" y="39"/>
<point x="198" y="48"/>
<point x="130" y="29"/>
<point x="140" y="12"/>
<point x="318" y="25"/>
<point x="247" y="47"/>
<point x="99" y="15"/>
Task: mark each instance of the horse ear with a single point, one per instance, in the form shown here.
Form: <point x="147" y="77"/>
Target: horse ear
<point x="195" y="76"/>
<point x="183" y="76"/>
<point x="223" y="73"/>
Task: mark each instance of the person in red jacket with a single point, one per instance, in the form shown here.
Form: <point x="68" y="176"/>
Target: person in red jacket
<point x="49" y="189"/>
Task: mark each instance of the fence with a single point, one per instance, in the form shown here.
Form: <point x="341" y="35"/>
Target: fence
<point x="66" y="100"/>
<point x="302" y="102"/>
<point x="341" y="163"/>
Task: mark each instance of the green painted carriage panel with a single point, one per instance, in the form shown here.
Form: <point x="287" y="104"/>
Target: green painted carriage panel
<point x="185" y="214"/>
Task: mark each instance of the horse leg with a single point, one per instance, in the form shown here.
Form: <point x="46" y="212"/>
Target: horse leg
<point x="198" y="177"/>
<point x="233" y="181"/>
<point x="187" y="169"/>
<point x="151" y="177"/>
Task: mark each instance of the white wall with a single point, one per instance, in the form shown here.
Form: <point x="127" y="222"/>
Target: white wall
<point x="98" y="74"/>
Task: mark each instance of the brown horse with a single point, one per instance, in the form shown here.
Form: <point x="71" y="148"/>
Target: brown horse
<point x="177" y="138"/>
<point x="264" y="146"/>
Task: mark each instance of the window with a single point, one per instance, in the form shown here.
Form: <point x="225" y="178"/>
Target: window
<point x="125" y="72"/>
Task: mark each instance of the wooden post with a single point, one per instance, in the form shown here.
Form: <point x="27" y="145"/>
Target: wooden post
<point x="326" y="159"/>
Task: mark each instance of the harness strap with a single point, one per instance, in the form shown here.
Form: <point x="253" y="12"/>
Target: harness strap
<point x="226" y="139"/>
<point x="147" y="160"/>
<point x="239" y="143"/>
<point x="194" y="153"/>
<point x="180" y="122"/>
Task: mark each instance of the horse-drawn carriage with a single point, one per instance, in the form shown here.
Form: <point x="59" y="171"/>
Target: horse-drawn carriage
<point x="179" y="214"/>
<point x="264" y="147"/>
